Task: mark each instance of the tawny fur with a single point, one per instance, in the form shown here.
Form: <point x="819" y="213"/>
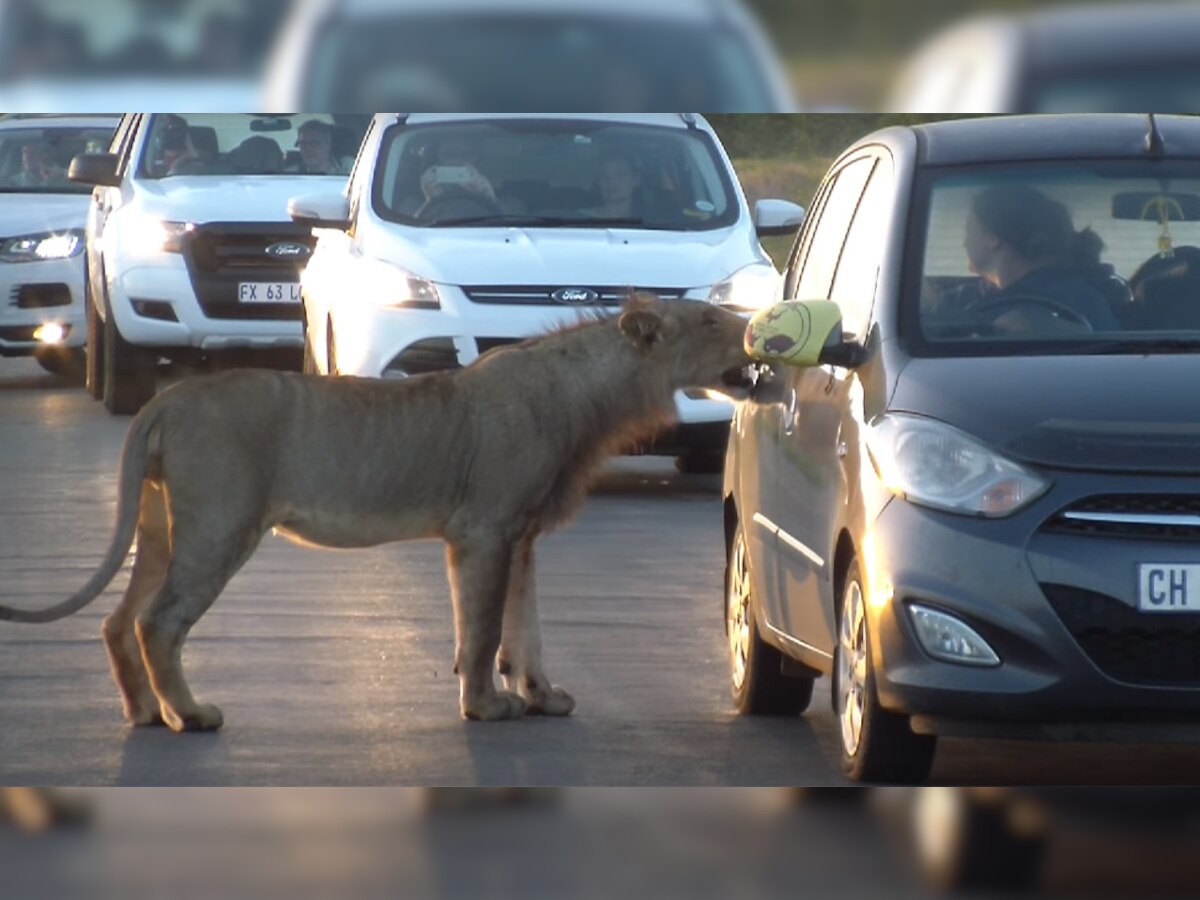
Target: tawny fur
<point x="487" y="458"/>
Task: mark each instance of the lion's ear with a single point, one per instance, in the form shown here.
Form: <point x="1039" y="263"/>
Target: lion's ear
<point x="641" y="326"/>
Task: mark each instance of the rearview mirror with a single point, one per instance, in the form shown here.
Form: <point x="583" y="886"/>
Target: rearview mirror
<point x="94" y="168"/>
<point x="320" y="211"/>
<point x="1147" y="206"/>
<point x="801" y="333"/>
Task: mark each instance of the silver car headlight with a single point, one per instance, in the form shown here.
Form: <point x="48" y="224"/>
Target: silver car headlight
<point x="45" y="245"/>
<point x="933" y="464"/>
<point x="751" y="287"/>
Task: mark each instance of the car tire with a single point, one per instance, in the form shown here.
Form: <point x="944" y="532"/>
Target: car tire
<point x="66" y="362"/>
<point x="877" y="745"/>
<point x="701" y="461"/>
<point x="756" y="680"/>
<point x="94" y="375"/>
<point x="129" y="372"/>
<point x="962" y="844"/>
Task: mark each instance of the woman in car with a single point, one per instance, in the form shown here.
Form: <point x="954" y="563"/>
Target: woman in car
<point x="1033" y="266"/>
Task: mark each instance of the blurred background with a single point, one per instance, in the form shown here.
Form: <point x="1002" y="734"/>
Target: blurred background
<point x="602" y="843"/>
<point x="935" y="56"/>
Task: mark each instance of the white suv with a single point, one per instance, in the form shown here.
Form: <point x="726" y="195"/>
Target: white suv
<point x="42" y="217"/>
<point x="190" y="250"/>
<point x="458" y="233"/>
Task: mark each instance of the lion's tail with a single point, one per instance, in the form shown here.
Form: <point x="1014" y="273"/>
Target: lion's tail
<point x="134" y="457"/>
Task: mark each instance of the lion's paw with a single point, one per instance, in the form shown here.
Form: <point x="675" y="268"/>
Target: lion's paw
<point x="205" y="717"/>
<point x="553" y="702"/>
<point x="493" y="707"/>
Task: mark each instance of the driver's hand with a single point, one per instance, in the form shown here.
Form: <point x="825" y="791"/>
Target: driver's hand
<point x="477" y="183"/>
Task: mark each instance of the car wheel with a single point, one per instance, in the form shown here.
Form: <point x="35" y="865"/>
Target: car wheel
<point x="128" y="372"/>
<point x="67" y="362"/>
<point x="94" y="376"/>
<point x="961" y="844"/>
<point x="756" y="679"/>
<point x="877" y="745"/>
<point x="704" y="461"/>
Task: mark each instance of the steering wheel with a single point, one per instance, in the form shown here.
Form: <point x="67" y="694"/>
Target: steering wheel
<point x="993" y="308"/>
<point x="456" y="202"/>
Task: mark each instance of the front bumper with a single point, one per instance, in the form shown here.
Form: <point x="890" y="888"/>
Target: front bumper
<point x="36" y="293"/>
<point x="1006" y="578"/>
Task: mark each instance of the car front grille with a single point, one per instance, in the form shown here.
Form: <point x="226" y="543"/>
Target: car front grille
<point x="1160" y="649"/>
<point x="219" y="255"/>
<point x="1157" y="517"/>
<point x="542" y="295"/>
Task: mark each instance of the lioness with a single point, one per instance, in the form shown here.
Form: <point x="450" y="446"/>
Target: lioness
<point x="487" y="457"/>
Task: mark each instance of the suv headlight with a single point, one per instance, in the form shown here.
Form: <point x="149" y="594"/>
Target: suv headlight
<point x="44" y="245"/>
<point x="933" y="464"/>
<point x="414" y="293"/>
<point x="146" y="234"/>
<point x="751" y="287"/>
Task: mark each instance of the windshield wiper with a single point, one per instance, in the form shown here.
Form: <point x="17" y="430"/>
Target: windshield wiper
<point x="1138" y="346"/>
<point x="525" y="219"/>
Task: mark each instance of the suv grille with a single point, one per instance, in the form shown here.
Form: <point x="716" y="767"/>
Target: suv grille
<point x="1130" y="646"/>
<point x="219" y="255"/>
<point x="1159" y="517"/>
<point x="541" y="295"/>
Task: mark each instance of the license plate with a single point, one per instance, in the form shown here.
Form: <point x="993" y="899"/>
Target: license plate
<point x="268" y="292"/>
<point x="1167" y="588"/>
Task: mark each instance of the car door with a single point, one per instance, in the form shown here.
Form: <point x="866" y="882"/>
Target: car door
<point x="104" y="199"/>
<point x="842" y="264"/>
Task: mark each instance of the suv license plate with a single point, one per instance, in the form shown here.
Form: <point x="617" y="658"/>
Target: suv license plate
<point x="268" y="292"/>
<point x="1168" y="588"/>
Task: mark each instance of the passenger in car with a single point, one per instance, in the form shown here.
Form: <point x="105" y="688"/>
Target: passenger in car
<point x="314" y="140"/>
<point x="1023" y="246"/>
<point x="618" y="186"/>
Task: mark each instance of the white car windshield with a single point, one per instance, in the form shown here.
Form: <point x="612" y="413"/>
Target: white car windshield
<point x="1094" y="257"/>
<point x="35" y="160"/>
<point x="251" y="144"/>
<point x="560" y="173"/>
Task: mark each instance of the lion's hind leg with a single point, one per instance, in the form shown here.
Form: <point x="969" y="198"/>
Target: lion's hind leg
<point x="520" y="659"/>
<point x="206" y="551"/>
<point x="478" y="567"/>
<point x="120" y="638"/>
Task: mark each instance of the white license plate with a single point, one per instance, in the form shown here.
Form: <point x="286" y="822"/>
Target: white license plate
<point x="268" y="292"/>
<point x="1167" y="588"/>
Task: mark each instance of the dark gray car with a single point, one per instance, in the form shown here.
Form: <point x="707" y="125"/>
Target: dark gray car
<point x="984" y="518"/>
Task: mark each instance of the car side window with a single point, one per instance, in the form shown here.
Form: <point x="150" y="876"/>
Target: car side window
<point x="825" y="245"/>
<point x="791" y="275"/>
<point x="124" y="139"/>
<point x="857" y="273"/>
<point x="360" y="173"/>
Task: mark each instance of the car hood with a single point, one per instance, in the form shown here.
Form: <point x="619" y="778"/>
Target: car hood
<point x="1104" y="413"/>
<point x="230" y="198"/>
<point x="569" y="257"/>
<point x="32" y="213"/>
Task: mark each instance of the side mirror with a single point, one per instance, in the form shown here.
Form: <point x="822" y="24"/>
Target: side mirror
<point x="802" y="333"/>
<point x="94" y="169"/>
<point x="777" y="217"/>
<point x="321" y="211"/>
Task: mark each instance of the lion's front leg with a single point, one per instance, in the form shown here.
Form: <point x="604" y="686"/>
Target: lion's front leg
<point x="520" y="659"/>
<point x="478" y="567"/>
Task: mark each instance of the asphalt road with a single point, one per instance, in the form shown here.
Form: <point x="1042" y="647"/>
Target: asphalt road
<point x="334" y="667"/>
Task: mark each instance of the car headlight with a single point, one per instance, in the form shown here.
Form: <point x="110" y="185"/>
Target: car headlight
<point x="413" y="293"/>
<point x="752" y="287"/>
<point x="145" y="234"/>
<point x="46" y="245"/>
<point x="933" y="464"/>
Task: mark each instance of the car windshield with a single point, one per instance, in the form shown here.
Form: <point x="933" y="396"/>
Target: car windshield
<point x="1091" y="258"/>
<point x="584" y="174"/>
<point x="251" y="144"/>
<point x="534" y="63"/>
<point x="35" y="160"/>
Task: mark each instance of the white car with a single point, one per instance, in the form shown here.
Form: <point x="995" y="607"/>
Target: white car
<point x="459" y="233"/>
<point x="191" y="254"/>
<point x="42" y="217"/>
